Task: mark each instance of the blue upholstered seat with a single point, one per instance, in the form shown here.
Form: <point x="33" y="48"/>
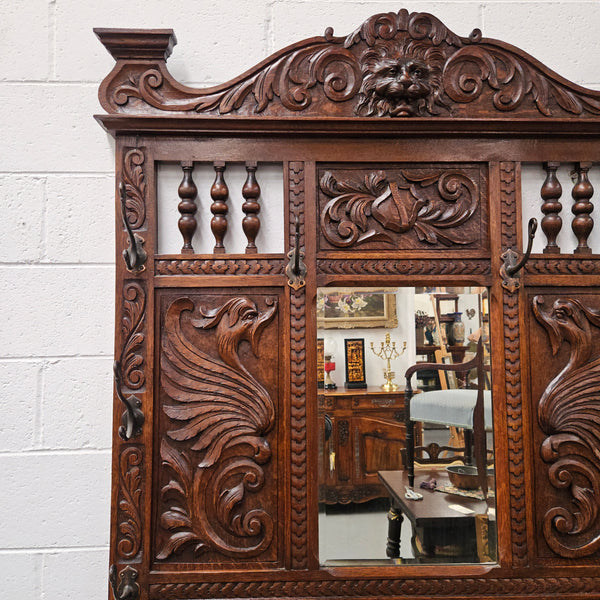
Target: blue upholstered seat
<point x="450" y="407"/>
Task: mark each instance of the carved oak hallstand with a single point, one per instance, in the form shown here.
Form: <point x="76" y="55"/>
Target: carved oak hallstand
<point x="402" y="148"/>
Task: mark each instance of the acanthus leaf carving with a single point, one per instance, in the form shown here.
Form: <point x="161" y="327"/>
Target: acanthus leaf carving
<point x="128" y="369"/>
<point x="426" y="203"/>
<point x="224" y="413"/>
<point x="135" y="187"/>
<point x="130" y="502"/>
<point x="394" y="65"/>
<point x="289" y="76"/>
<point x="512" y="77"/>
<point x="569" y="414"/>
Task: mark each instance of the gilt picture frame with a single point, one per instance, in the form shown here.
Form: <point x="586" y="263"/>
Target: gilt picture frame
<point x="351" y="308"/>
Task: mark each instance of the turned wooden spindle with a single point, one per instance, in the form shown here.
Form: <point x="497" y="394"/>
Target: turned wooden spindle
<point x="551" y="193"/>
<point x="187" y="207"/>
<point x="251" y="207"/>
<point x="219" y="192"/>
<point x="582" y="224"/>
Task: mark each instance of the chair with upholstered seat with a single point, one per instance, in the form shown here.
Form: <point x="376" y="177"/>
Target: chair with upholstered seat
<point x="467" y="408"/>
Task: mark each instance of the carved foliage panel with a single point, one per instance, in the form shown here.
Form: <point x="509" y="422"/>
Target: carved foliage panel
<point x="403" y="207"/>
<point x="394" y="65"/>
<point x="565" y="386"/>
<point x="219" y="422"/>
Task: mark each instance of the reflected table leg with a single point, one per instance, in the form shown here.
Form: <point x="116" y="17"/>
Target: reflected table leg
<point x="395" y="519"/>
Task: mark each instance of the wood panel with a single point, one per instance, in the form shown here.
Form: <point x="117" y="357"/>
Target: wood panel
<point x="564" y="328"/>
<point x="401" y="146"/>
<point x="219" y="427"/>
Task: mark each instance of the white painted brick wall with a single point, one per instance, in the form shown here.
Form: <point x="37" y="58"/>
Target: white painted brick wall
<point x="56" y="241"/>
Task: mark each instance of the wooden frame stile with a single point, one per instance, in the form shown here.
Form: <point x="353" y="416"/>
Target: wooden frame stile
<point x="216" y="442"/>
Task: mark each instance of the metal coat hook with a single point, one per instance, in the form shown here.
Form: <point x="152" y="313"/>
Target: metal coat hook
<point x="512" y="265"/>
<point x="296" y="269"/>
<point x="133" y="417"/>
<point x="124" y="584"/>
<point x="135" y="256"/>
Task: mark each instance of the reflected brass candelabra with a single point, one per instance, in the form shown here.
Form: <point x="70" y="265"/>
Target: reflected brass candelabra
<point x="388" y="352"/>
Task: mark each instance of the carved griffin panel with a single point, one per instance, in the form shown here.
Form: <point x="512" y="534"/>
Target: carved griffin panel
<point x="214" y="450"/>
<point x="402" y="208"/>
<point x="569" y="415"/>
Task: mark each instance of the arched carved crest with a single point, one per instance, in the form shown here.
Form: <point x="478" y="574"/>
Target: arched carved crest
<point x="569" y="414"/>
<point x="393" y="65"/>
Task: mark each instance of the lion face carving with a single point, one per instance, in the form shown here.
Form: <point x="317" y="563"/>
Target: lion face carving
<point x="402" y="81"/>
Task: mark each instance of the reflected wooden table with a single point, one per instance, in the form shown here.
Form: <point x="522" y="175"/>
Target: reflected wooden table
<point x="440" y="531"/>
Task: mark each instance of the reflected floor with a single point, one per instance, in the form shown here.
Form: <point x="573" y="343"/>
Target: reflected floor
<point x="357" y="532"/>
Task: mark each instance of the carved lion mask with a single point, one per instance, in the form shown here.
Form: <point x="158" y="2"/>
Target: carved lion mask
<point x="401" y="81"/>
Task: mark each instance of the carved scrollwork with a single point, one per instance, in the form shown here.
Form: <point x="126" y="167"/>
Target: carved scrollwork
<point x="129" y="503"/>
<point x="513" y="77"/>
<point x="129" y="372"/>
<point x="220" y="407"/>
<point x="288" y="76"/>
<point x="398" y="64"/>
<point x="135" y="187"/>
<point x="386" y="26"/>
<point x="569" y="414"/>
<point x="426" y="203"/>
<point x="132" y="328"/>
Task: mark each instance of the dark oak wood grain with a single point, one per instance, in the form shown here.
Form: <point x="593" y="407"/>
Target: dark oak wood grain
<point x="401" y="147"/>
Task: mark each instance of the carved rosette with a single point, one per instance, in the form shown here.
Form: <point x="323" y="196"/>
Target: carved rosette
<point x="413" y="208"/>
<point x="215" y="448"/>
<point x="393" y="65"/>
<point x="569" y="414"/>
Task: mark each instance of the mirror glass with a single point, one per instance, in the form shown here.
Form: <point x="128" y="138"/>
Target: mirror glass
<point x="369" y="513"/>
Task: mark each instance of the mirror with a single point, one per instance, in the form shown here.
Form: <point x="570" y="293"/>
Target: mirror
<point x="368" y="512"/>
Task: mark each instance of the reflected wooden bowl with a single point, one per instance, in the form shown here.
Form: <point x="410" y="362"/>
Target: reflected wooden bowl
<point x="464" y="477"/>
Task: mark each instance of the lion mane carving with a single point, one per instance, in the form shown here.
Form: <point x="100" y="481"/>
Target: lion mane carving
<point x="401" y="80"/>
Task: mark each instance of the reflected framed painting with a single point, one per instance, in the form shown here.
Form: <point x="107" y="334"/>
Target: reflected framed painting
<point x="351" y="308"/>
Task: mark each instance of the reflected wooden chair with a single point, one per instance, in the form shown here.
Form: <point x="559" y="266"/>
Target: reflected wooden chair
<point x="468" y="408"/>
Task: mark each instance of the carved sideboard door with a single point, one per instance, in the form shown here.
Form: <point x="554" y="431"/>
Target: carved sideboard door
<point x="399" y="152"/>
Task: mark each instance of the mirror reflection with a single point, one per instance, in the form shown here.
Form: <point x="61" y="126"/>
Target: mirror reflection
<point x="406" y="470"/>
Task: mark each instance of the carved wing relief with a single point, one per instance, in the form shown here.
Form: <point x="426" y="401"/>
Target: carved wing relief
<point x="393" y="65"/>
<point x="215" y="444"/>
<point x="569" y="414"/>
<point x="411" y="208"/>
